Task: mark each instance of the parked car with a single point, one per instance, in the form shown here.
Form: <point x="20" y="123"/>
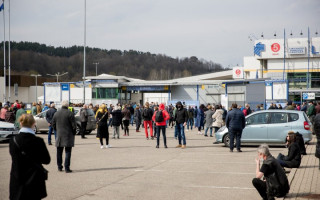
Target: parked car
<point x="7" y="130"/>
<point x="42" y="124"/>
<point x="271" y="127"/>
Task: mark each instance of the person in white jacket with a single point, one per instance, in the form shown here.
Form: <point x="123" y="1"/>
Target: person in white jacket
<point x="217" y="118"/>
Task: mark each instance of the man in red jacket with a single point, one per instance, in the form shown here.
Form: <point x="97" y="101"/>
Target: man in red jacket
<point x="160" y="118"/>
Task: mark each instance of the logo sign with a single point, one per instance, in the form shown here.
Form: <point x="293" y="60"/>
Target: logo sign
<point x="297" y="50"/>
<point x="65" y="87"/>
<point x="237" y="72"/>
<point x="275" y="47"/>
<point x="308" y="96"/>
<point x="258" y="48"/>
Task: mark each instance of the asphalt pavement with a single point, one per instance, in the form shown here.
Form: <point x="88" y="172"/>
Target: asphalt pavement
<point x="134" y="169"/>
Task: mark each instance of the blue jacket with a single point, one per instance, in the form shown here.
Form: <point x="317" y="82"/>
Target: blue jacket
<point x="235" y="120"/>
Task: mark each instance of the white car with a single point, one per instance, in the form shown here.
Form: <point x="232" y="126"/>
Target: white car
<point x="7" y="130"/>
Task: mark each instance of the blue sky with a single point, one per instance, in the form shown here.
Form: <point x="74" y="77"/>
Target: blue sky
<point x="212" y="30"/>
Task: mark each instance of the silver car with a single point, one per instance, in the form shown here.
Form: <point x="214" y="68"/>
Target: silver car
<point x="7" y="130"/>
<point x="271" y="127"/>
<point x="42" y="124"/>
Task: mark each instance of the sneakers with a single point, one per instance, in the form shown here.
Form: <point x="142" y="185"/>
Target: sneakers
<point x="205" y="135"/>
<point x="199" y="133"/>
<point x="101" y="147"/>
<point x="147" y="138"/>
<point x="183" y="146"/>
<point x="165" y="146"/>
<point x="108" y="146"/>
<point x="178" y="146"/>
<point x="157" y="146"/>
<point x="152" y="137"/>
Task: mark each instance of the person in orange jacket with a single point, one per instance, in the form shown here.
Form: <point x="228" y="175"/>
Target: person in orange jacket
<point x="160" y="117"/>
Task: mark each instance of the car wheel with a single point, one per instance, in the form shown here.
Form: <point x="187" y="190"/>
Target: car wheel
<point x="226" y="140"/>
<point x="78" y="130"/>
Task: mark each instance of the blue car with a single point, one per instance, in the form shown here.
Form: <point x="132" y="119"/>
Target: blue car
<point x="271" y="127"/>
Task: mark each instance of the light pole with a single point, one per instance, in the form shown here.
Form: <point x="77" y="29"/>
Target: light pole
<point x="57" y="75"/>
<point x="96" y="63"/>
<point x="36" y="75"/>
<point x="84" y="53"/>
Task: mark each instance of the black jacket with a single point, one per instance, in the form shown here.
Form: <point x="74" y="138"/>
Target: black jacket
<point x="316" y="129"/>
<point x="49" y="115"/>
<point x="23" y="165"/>
<point x="181" y="116"/>
<point x="116" y="117"/>
<point x="235" y="120"/>
<point x="293" y="159"/>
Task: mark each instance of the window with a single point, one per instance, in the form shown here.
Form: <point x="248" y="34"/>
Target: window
<point x="279" y="118"/>
<point x="293" y="117"/>
<point x="261" y="118"/>
<point x="105" y="93"/>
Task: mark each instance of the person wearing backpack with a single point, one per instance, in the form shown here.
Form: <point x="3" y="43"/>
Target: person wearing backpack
<point x="181" y="117"/>
<point x="147" y="114"/>
<point x="160" y="117"/>
<point x="276" y="182"/>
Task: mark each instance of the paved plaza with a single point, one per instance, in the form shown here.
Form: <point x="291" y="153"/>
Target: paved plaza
<point x="134" y="169"/>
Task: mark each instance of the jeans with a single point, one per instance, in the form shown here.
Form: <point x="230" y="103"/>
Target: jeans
<point x="131" y="119"/>
<point x="163" y="128"/>
<point x="50" y="132"/>
<point x="190" y="122"/>
<point x="281" y="161"/>
<point x="176" y="131"/>
<point x="116" y="131"/>
<point x="181" y="135"/>
<point x="67" y="158"/>
<point x="205" y="132"/>
<point x="145" y="124"/>
<point x="236" y="134"/>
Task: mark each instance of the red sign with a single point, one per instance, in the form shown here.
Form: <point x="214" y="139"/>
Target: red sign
<point x="275" y="47"/>
<point x="238" y="72"/>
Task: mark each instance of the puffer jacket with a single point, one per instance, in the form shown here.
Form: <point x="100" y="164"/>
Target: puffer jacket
<point x="218" y="118"/>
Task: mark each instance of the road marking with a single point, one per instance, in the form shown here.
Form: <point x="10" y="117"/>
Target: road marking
<point x="196" y="172"/>
<point x="189" y="161"/>
<point x="221" y="187"/>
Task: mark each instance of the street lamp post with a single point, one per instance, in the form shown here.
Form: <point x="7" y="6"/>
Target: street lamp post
<point x="57" y="75"/>
<point x="36" y="75"/>
<point x="96" y="63"/>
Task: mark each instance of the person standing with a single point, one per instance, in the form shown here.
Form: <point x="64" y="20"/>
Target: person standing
<point x="160" y="117"/>
<point x="181" y="118"/>
<point x="116" y="121"/>
<point x="20" y="112"/>
<point x="102" y="120"/>
<point x="200" y="118"/>
<point x="28" y="153"/>
<point x="270" y="168"/>
<point x="137" y="118"/>
<point x="49" y="116"/>
<point x="311" y="112"/>
<point x="64" y="123"/>
<point x="235" y="122"/>
<point x="316" y="129"/>
<point x="10" y="117"/>
<point x="147" y="114"/>
<point x="190" y="118"/>
<point x="209" y="120"/>
<point x="34" y="109"/>
<point x="126" y="116"/>
<point x="84" y="121"/>
<point x="217" y="118"/>
<point x="3" y="112"/>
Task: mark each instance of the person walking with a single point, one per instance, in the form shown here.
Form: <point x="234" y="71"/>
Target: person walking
<point x="160" y="117"/>
<point x="28" y="153"/>
<point x="64" y="123"/>
<point x="102" y="121"/>
<point x="271" y="170"/>
<point x="49" y="116"/>
<point x="209" y="120"/>
<point x="116" y="121"/>
<point x="181" y="118"/>
<point x="147" y="114"/>
<point x="126" y="116"/>
<point x="137" y="118"/>
<point x="235" y="122"/>
<point x="20" y="112"/>
<point x="84" y="121"/>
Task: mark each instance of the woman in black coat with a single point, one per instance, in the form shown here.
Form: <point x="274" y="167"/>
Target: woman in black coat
<point x="137" y="118"/>
<point x="28" y="153"/>
<point x="316" y="129"/>
<point x="293" y="160"/>
<point x="103" y="131"/>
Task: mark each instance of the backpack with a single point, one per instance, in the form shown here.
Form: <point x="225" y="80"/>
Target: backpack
<point x="159" y="116"/>
<point x="145" y="113"/>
